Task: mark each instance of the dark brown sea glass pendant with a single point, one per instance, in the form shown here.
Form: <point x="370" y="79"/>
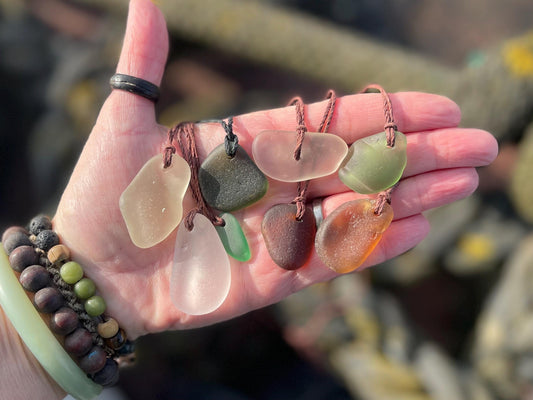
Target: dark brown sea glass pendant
<point x="289" y="241"/>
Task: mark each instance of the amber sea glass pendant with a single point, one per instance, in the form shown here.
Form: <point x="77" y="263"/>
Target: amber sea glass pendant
<point x="231" y="183"/>
<point x="371" y="166"/>
<point x="349" y="234"/>
<point x="152" y="203"/>
<point x="320" y="155"/>
<point x="201" y="273"/>
<point x="288" y="241"/>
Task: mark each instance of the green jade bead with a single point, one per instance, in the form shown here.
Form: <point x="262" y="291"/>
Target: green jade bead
<point x="233" y="238"/>
<point x="371" y="166"/>
<point x="84" y="288"/>
<point x="71" y="272"/>
<point x="95" y="306"/>
<point x="231" y="183"/>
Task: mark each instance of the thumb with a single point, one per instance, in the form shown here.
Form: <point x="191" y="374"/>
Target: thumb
<point x="144" y="53"/>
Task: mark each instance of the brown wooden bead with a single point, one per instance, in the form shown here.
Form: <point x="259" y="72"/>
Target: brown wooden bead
<point x="34" y="278"/>
<point x="93" y="361"/>
<point x="79" y="342"/>
<point x="64" y="321"/>
<point x="48" y="299"/>
<point x="116" y="342"/>
<point x="13" y="229"/>
<point x="22" y="257"/>
<point x="16" y="238"/>
<point x="289" y="241"/>
<point x="107" y="376"/>
<point x="58" y="254"/>
<point x="108" y="329"/>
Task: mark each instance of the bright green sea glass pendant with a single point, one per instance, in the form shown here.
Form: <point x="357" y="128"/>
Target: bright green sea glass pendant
<point x="231" y="183"/>
<point x="233" y="238"/>
<point x="371" y="166"/>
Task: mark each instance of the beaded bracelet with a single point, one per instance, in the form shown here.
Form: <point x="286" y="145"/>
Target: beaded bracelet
<point x="58" y="287"/>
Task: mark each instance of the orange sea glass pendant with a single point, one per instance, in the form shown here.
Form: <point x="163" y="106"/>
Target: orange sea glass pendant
<point x="151" y="205"/>
<point x="201" y="273"/>
<point x="289" y="241"/>
<point x="350" y="233"/>
<point x="321" y="155"/>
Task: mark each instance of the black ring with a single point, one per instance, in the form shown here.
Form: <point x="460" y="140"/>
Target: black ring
<point x="135" y="85"/>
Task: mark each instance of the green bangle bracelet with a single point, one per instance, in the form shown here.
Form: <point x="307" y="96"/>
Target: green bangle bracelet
<point x="38" y="337"/>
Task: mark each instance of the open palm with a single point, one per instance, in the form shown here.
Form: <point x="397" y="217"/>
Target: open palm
<point x="135" y="282"/>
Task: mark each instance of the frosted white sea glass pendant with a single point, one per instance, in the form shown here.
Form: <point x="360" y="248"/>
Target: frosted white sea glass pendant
<point x="201" y="273"/>
<point x="152" y="203"/>
<point x="321" y="155"/>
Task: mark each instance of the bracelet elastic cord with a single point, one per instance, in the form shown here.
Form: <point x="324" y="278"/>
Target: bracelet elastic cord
<point x="38" y="337"/>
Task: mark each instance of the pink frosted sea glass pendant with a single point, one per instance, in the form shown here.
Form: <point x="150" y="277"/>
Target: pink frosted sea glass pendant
<point x="152" y="203"/>
<point x="288" y="241"/>
<point x="321" y="155"/>
<point x="350" y="233"/>
<point x="201" y="273"/>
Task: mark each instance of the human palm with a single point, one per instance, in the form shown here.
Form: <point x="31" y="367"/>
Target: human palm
<point x="135" y="282"/>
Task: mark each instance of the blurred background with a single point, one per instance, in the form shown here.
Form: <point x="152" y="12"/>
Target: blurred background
<point x="450" y="319"/>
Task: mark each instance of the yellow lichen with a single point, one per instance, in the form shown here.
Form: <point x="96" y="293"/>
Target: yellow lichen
<point x="518" y="55"/>
<point x="477" y="247"/>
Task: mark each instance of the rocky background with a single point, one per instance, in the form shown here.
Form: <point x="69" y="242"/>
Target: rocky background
<point x="451" y="319"/>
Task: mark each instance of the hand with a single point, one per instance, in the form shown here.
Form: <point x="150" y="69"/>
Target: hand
<point x="135" y="282"/>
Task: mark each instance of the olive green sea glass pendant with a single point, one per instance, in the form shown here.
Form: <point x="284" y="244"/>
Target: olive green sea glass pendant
<point x="321" y="155"/>
<point x="152" y="203"/>
<point x="233" y="238"/>
<point x="371" y="166"/>
<point x="231" y="183"/>
<point x="289" y="241"/>
<point x="349" y="234"/>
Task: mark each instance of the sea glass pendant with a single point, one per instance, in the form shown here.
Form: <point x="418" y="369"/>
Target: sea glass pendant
<point x="231" y="183"/>
<point x="233" y="238"/>
<point x="349" y="234"/>
<point x="201" y="273"/>
<point x="371" y="166"/>
<point x="321" y="155"/>
<point x="288" y="241"/>
<point x="152" y="203"/>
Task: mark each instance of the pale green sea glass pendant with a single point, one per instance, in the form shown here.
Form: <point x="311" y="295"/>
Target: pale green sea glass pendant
<point x="321" y="155"/>
<point x="231" y="183"/>
<point x="233" y="238"/>
<point x="371" y="166"/>
<point x="152" y="203"/>
<point x="201" y="273"/>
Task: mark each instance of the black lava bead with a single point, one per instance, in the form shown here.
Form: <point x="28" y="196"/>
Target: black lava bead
<point x="79" y="342"/>
<point x="94" y="360"/>
<point x="15" y="239"/>
<point x="40" y="223"/>
<point x="34" y="278"/>
<point x="47" y="300"/>
<point x="64" y="321"/>
<point x="46" y="240"/>
<point x="107" y="376"/>
<point x="22" y="257"/>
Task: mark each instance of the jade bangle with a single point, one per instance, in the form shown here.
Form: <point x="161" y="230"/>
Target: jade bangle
<point x="38" y="337"/>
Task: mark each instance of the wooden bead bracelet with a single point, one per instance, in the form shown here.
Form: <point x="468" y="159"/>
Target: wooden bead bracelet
<point x="67" y="300"/>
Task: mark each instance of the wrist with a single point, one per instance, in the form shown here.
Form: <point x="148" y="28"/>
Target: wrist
<point x="22" y="376"/>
